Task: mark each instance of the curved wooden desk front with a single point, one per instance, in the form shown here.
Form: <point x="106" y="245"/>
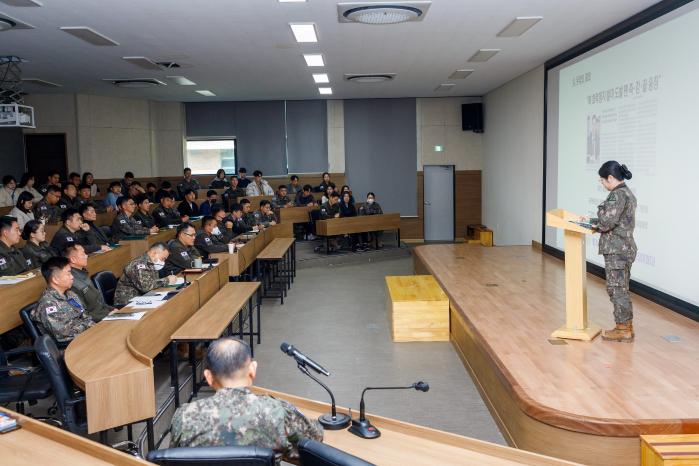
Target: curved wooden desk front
<point x="113" y="361"/>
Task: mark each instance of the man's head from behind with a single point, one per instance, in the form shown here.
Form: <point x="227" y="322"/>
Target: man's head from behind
<point x="229" y="364"/>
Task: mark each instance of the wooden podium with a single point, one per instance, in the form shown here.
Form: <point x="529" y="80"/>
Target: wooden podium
<point x="577" y="326"/>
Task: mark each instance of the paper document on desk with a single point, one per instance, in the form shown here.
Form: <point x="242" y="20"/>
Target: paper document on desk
<point x="12" y="279"/>
<point x="125" y="316"/>
<point x="146" y="302"/>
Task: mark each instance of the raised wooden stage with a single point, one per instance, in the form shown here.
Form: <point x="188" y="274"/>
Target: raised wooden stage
<point x="583" y="401"/>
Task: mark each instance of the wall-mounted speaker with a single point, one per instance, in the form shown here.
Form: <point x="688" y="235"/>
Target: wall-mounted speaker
<point x="472" y="117"/>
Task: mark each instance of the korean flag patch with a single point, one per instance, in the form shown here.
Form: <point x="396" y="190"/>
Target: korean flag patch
<point x="208" y="240"/>
<point x="184" y="254"/>
<point x="3" y="263"/>
<point x="69" y="239"/>
<point x="122" y="221"/>
<point x="140" y="266"/>
<point x="51" y="309"/>
<point x="162" y="214"/>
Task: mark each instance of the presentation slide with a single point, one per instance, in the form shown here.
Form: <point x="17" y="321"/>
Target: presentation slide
<point x="635" y="101"/>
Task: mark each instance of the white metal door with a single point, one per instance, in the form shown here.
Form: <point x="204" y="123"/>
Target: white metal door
<point x="439" y="202"/>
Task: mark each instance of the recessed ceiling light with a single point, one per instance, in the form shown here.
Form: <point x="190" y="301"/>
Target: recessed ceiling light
<point x="460" y="74"/>
<point x="314" y="59"/>
<point x="444" y="87"/>
<point x="40" y="82"/>
<point x="136" y="83"/>
<point x="304" y="32"/>
<point x="6" y="24"/>
<point x="325" y="90"/>
<point x="370" y="78"/>
<point x="206" y="93"/>
<point x="321" y="78"/>
<point x="89" y="35"/>
<point x="22" y="2"/>
<point x="483" y="55"/>
<point x="292" y="1"/>
<point x="143" y="62"/>
<point x="181" y="80"/>
<point x="519" y="26"/>
<point x="382" y="12"/>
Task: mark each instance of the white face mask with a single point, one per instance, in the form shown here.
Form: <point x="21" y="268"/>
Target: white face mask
<point x="158" y="265"/>
<point x="216" y="231"/>
<point x="369" y="201"/>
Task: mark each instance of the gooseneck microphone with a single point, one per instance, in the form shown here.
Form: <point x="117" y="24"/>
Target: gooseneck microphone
<point x="332" y="420"/>
<point x="362" y="427"/>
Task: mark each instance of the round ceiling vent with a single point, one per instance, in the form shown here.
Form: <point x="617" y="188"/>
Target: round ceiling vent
<point x="6" y="24"/>
<point x="382" y="14"/>
<point x="370" y="78"/>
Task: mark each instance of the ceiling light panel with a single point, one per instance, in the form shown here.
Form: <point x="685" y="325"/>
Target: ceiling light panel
<point x="483" y="55"/>
<point x="519" y="26"/>
<point x="89" y="35"/>
<point x="40" y="82"/>
<point x="382" y="13"/>
<point x="460" y="74"/>
<point x="321" y="78"/>
<point x="22" y="3"/>
<point x="444" y="87"/>
<point x="181" y="80"/>
<point x="304" y="33"/>
<point x="325" y="90"/>
<point x="292" y="1"/>
<point x="143" y="62"/>
<point x="314" y="59"/>
<point x="13" y="23"/>
<point x="206" y="93"/>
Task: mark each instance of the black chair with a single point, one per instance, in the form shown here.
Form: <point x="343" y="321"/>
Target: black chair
<point x="106" y="283"/>
<point x="314" y="453"/>
<point x="71" y="406"/>
<point x="29" y="324"/>
<point x="21" y="383"/>
<point x="213" y="456"/>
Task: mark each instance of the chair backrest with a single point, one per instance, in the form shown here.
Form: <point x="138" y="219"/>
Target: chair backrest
<point x="29" y="324"/>
<point x="213" y="456"/>
<point x="314" y="453"/>
<point x="51" y="360"/>
<point x="106" y="283"/>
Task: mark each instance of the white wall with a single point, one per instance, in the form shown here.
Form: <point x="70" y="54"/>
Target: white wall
<point x="513" y="159"/>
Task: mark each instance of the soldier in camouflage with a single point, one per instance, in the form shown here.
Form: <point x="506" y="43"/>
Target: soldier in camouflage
<point x="234" y="415"/>
<point x="60" y="313"/>
<point x="281" y="198"/>
<point x="616" y="219"/>
<point x="124" y="224"/>
<point x="141" y="275"/>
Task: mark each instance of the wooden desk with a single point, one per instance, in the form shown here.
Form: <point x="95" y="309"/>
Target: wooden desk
<point x="211" y="280"/>
<point x="105" y="218"/>
<point x="140" y="246"/>
<point x="15" y="297"/>
<point x="294" y="214"/>
<point x="403" y="444"/>
<point x="359" y="224"/>
<point x="276" y="249"/>
<point x="277" y="259"/>
<point x="41" y="444"/>
<point x="255" y="200"/>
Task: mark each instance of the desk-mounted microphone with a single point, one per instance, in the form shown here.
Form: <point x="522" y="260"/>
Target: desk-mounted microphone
<point x="362" y="427"/>
<point x="332" y="420"/>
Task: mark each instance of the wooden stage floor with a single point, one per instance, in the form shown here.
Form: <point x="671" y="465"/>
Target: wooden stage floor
<point x="582" y="401"/>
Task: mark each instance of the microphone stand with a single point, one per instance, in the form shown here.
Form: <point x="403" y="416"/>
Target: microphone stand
<point x="332" y="421"/>
<point x="362" y="427"/>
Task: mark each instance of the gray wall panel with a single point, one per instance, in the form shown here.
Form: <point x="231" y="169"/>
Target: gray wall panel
<point x="12" y="152"/>
<point x="261" y="137"/>
<point x="307" y="135"/>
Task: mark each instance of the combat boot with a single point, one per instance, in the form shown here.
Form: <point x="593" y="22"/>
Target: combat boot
<point x="622" y="333"/>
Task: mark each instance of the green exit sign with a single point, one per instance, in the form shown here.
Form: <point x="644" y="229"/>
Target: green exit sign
<point x="439" y="148"/>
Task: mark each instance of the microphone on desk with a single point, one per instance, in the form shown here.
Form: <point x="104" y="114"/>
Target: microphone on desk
<point x="362" y="427"/>
<point x="332" y="420"/>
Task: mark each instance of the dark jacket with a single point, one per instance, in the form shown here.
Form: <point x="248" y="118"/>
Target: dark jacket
<point x="93" y="238"/>
<point x="64" y="238"/>
<point x="126" y="226"/>
<point x="145" y="220"/>
<point x="209" y="244"/>
<point x="185" y="208"/>
<point x="166" y="217"/>
<point x="89" y="295"/>
<point x="13" y="261"/>
<point x="347" y="210"/>
<point x="328" y="211"/>
<point x="38" y="254"/>
<point x="180" y="257"/>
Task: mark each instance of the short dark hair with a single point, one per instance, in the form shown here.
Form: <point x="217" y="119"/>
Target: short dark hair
<point x="216" y="209"/>
<point x="307" y="187"/>
<point x="166" y="184"/>
<point x="6" y="222"/>
<point x="226" y="356"/>
<point x="114" y="183"/>
<point x="186" y="169"/>
<point x="84" y="207"/>
<point x="52" y="188"/>
<point x="69" y="212"/>
<point x="53" y="265"/>
<point x="334" y="195"/>
<point x="134" y="183"/>
<point x="207" y="219"/>
<point x="8" y="179"/>
<point x="211" y="192"/>
<point x="166" y="195"/>
<point x="293" y="177"/>
<point x="188" y="191"/>
<point x="233" y="176"/>
<point x="30" y="227"/>
<point x="150" y="185"/>
<point x="122" y="199"/>
<point x="282" y="186"/>
<point x="73" y="175"/>
<point x="257" y="173"/>
<point x="332" y="184"/>
<point x="158" y="245"/>
<point x="242" y="202"/>
<point x="370" y="194"/>
<point x="68" y="250"/>
<point x="140" y="198"/>
<point x="264" y="202"/>
<point x="184" y="226"/>
<point x="242" y="170"/>
<point x="83" y="186"/>
<point x="67" y="186"/>
<point x="236" y="207"/>
<point x="53" y="172"/>
<point x="128" y="175"/>
<point x="221" y="170"/>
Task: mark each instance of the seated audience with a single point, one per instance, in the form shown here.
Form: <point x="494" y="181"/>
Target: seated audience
<point x="74" y="179"/>
<point x="328" y="210"/>
<point x="210" y="240"/>
<point x="88" y="293"/>
<point x="142" y="216"/>
<point x="9" y="191"/>
<point x="84" y="195"/>
<point x="35" y="247"/>
<point x="234" y="415"/>
<point x="207" y="206"/>
<point x="243" y="181"/>
<point x="46" y="210"/>
<point x="293" y="188"/>
<point x="265" y="216"/>
<point x="281" y="198"/>
<point x="346" y="189"/>
<point x="135" y="189"/>
<point x="12" y="260"/>
<point x="93" y="237"/>
<point x="53" y="179"/>
<point x="188" y="207"/>
<point x="259" y="186"/>
<point x="233" y="192"/>
<point x="165" y="214"/>
<point x="27" y="184"/>
<point x="348" y="209"/>
<point x="165" y="188"/>
<point x="182" y="250"/>
<point x="248" y="215"/>
<point x="219" y="182"/>
<point x="371" y="207"/>
<point x="126" y="182"/>
<point x="187" y="183"/>
<point x="324" y="184"/>
<point x="141" y="275"/>
<point x="69" y="199"/>
<point x="60" y="313"/>
<point x="305" y="197"/>
<point x="89" y="180"/>
<point x="151" y="191"/>
<point x="328" y="191"/>
<point x="23" y="209"/>
<point x="238" y="224"/>
<point x="114" y="193"/>
<point x="68" y="233"/>
<point x="124" y="224"/>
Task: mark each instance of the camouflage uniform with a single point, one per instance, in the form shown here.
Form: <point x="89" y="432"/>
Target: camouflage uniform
<point x="43" y="211"/>
<point x="89" y="295"/>
<point x="166" y="217"/>
<point x="145" y="220"/>
<point x="139" y="278"/>
<point x="61" y="316"/>
<point x="616" y="221"/>
<point x="236" y="416"/>
<point x="12" y="261"/>
<point x="38" y="254"/>
<point x="124" y="225"/>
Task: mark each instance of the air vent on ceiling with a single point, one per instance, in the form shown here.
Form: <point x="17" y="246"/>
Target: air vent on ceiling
<point x="139" y="83"/>
<point x="7" y="22"/>
<point x="460" y="74"/>
<point x="89" y="35"/>
<point x="370" y="78"/>
<point x="169" y="64"/>
<point x="143" y="62"/>
<point x="40" y="82"/>
<point x="444" y="87"/>
<point x="22" y="3"/>
<point x="382" y="12"/>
